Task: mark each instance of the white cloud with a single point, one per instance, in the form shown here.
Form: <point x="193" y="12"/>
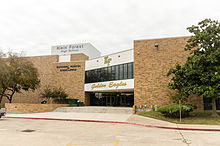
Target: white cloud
<point x="35" y="25"/>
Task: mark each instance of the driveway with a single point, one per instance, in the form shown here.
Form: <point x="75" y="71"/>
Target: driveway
<point x="25" y="132"/>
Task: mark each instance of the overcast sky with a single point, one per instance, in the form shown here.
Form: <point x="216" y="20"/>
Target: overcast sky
<point x="33" y="26"/>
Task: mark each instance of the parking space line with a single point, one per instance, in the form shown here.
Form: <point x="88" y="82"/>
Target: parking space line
<point x="83" y="133"/>
<point x="116" y="134"/>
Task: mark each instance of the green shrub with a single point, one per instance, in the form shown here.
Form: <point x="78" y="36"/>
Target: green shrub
<point x="57" y="94"/>
<point x="65" y="101"/>
<point x="172" y="110"/>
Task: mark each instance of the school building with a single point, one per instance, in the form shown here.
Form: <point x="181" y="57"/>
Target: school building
<point x="136" y="76"/>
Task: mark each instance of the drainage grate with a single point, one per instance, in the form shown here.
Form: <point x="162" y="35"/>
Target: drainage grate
<point x="27" y="130"/>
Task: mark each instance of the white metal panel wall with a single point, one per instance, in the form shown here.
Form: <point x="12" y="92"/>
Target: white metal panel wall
<point x="85" y="48"/>
<point x="64" y="58"/>
<point x="116" y="58"/>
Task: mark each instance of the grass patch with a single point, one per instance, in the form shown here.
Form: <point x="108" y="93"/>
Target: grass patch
<point x="194" y="118"/>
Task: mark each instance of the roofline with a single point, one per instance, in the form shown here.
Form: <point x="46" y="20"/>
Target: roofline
<point x="164" y="38"/>
<point x="70" y="44"/>
<point x="77" y="44"/>
<point x="110" y="54"/>
<point x="39" y="56"/>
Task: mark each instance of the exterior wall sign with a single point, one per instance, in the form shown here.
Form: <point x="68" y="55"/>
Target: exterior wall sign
<point x="110" y="85"/>
<point x="69" y="48"/>
<point x="68" y="67"/>
<point x="107" y="60"/>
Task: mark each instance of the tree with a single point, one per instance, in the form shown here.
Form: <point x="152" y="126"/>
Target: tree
<point x="16" y="74"/>
<point x="200" y="74"/>
<point x="178" y="83"/>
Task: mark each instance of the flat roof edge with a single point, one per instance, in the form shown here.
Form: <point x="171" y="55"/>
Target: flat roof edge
<point x="163" y="38"/>
<point x="111" y="54"/>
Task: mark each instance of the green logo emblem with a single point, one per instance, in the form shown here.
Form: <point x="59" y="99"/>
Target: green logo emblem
<point x="107" y="60"/>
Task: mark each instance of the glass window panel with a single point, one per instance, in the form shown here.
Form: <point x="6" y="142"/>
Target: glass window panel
<point x="132" y="69"/>
<point x="121" y="74"/>
<point x="92" y="75"/>
<point x="125" y="71"/>
<point x="129" y="70"/>
<point x="113" y="73"/>
<point x="102" y="74"/>
<point x="105" y="74"/>
<point x="86" y="77"/>
<point x="117" y="72"/>
<point x="109" y="73"/>
<point x="97" y="75"/>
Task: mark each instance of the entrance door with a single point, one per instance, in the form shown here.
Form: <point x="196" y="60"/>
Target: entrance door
<point x="112" y="99"/>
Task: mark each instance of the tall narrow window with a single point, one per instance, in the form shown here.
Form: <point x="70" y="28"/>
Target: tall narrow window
<point x="125" y="71"/>
<point x="121" y="72"/>
<point x="113" y="73"/>
<point x="105" y="74"/>
<point x="102" y="75"/>
<point x="132" y="69"/>
<point x="129" y="70"/>
<point x="117" y="72"/>
<point x="109" y="73"/>
<point x="98" y="75"/>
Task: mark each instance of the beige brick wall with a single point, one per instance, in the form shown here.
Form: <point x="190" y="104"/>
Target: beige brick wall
<point x="31" y="108"/>
<point x="151" y="67"/>
<point x="50" y="75"/>
<point x="71" y="81"/>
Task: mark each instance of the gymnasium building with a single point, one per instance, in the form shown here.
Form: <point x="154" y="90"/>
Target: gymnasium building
<point x="136" y="76"/>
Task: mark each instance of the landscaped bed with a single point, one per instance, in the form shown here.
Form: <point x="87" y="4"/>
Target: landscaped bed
<point x="194" y="118"/>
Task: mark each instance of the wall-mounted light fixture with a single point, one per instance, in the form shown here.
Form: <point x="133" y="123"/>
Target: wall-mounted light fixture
<point x="156" y="45"/>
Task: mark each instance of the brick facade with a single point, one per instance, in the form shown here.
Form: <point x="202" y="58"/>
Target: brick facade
<point x="50" y="75"/>
<point x="150" y="73"/>
<point x="151" y="66"/>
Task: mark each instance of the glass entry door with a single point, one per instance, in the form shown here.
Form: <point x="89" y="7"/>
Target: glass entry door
<point x="112" y="99"/>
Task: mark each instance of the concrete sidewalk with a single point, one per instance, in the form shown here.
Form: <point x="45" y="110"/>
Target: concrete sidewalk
<point x="110" y="117"/>
<point x="76" y="116"/>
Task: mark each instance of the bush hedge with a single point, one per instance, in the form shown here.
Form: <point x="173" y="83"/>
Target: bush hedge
<point x="65" y="101"/>
<point x="172" y="110"/>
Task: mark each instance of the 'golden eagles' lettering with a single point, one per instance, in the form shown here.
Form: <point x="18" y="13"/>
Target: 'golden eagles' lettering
<point x="98" y="86"/>
<point x="116" y="85"/>
<point x="110" y="85"/>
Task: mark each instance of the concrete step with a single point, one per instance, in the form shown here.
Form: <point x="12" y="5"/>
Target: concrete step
<point x="95" y="109"/>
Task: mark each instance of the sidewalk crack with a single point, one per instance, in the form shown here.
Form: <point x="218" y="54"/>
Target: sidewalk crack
<point x="184" y="140"/>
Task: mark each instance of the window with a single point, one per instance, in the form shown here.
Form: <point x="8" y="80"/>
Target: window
<point x="111" y="73"/>
<point x="208" y="103"/>
<point x="121" y="68"/>
<point x="130" y="68"/>
<point x="125" y="71"/>
<point x="117" y="72"/>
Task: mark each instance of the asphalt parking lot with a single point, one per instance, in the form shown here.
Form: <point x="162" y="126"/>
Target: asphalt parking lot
<point x="25" y="132"/>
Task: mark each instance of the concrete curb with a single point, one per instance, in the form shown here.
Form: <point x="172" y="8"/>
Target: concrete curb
<point x="130" y="123"/>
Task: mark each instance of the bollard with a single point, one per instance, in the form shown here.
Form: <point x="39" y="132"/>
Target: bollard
<point x="155" y="107"/>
